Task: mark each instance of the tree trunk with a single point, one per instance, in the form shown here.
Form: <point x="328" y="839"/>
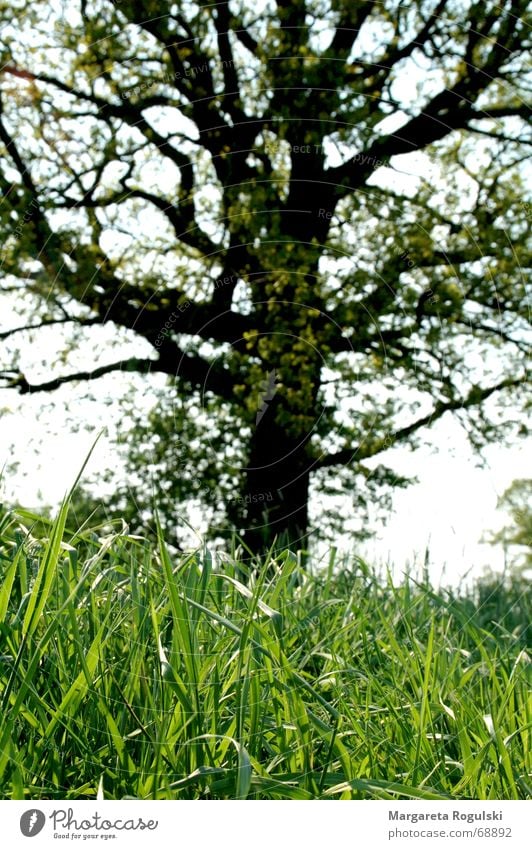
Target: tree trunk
<point x="274" y="511"/>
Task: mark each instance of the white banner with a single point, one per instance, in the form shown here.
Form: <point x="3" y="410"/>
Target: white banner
<point x="242" y="825"/>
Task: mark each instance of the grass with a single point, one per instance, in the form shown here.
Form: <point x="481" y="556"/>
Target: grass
<point x="126" y="672"/>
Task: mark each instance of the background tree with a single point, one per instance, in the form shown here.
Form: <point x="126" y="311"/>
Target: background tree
<point x="517" y="536"/>
<point x="309" y="210"/>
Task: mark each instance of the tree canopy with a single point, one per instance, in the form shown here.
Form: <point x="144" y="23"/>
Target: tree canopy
<point x="516" y="537"/>
<point x="307" y="216"/>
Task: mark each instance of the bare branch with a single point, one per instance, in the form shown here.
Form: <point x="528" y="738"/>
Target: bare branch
<point x="475" y="398"/>
<point x="449" y="110"/>
<point x="231" y="97"/>
<point x="243" y="35"/>
<point x="17" y="380"/>
<point x="79" y="322"/>
<point x="346" y="33"/>
<point x="191" y="368"/>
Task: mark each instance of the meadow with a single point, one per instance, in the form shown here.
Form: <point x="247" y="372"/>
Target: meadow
<point x="127" y="671"/>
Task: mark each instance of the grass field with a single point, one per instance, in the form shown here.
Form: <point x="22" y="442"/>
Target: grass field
<point x="127" y="672"/>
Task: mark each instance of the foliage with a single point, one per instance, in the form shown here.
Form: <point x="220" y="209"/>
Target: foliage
<point x="517" y="537"/>
<point x="155" y="677"/>
<point x="329" y="193"/>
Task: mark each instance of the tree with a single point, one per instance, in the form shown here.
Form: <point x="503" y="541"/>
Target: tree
<point x="517" y="537"/>
<point x="226" y="185"/>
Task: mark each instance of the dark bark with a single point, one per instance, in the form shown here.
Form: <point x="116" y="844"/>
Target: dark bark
<point x="276" y="490"/>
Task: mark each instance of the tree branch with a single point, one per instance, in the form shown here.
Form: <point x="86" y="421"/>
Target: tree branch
<point x="243" y="35"/>
<point x="231" y="97"/>
<point x="193" y="369"/>
<point x="379" y="72"/>
<point x="349" y="24"/>
<point x="184" y="226"/>
<point x="449" y="110"/>
<point x="475" y="398"/>
<point x="17" y="380"/>
<point x="79" y="322"/>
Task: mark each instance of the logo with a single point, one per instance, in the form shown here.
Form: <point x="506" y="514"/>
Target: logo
<point x="32" y="822"/>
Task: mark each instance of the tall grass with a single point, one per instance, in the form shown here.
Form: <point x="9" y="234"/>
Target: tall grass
<point x="128" y="672"/>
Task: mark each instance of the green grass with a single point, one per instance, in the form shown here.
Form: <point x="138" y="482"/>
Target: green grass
<point x="128" y="672"/>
